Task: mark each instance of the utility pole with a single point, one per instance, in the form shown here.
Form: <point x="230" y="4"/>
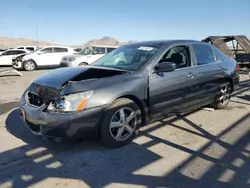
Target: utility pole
<point x="37" y="36"/>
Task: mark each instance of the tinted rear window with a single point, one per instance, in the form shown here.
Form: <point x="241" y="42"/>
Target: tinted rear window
<point x="204" y="54"/>
<point x="57" y="50"/>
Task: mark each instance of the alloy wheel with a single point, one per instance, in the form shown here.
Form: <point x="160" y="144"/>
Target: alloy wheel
<point x="225" y="95"/>
<point x="29" y="65"/>
<point x="123" y="124"/>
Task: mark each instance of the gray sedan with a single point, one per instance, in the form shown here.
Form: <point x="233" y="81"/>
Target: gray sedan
<point x="128" y="88"/>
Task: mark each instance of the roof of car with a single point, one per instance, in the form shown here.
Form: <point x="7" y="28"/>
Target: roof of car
<point x="163" y="42"/>
<point x="26" y="46"/>
<point x="17" y="49"/>
<point x="56" y="47"/>
<point x="107" y="46"/>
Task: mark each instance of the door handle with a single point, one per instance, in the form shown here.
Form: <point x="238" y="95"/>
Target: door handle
<point x="191" y="75"/>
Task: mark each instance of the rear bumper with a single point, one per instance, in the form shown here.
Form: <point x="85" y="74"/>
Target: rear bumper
<point x="61" y="125"/>
<point x="236" y="79"/>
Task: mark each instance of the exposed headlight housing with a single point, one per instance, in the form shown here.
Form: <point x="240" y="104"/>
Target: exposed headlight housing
<point x="71" y="103"/>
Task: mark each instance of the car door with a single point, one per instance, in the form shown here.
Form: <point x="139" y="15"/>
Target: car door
<point x="45" y="57"/>
<point x="59" y="52"/>
<point x="207" y="74"/>
<point x="168" y="90"/>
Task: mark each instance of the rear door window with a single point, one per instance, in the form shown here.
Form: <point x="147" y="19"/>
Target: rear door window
<point x="17" y="52"/>
<point x="218" y="54"/>
<point x="60" y="50"/>
<point x="11" y="52"/>
<point x="204" y="54"/>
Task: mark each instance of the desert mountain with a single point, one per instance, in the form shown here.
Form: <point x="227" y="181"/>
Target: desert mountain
<point x="6" y="42"/>
<point x="106" y="41"/>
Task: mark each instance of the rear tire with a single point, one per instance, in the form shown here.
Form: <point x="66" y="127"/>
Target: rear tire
<point x="29" y="65"/>
<point x="121" y="123"/>
<point x="222" y="100"/>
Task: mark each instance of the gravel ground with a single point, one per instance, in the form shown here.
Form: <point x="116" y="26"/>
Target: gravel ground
<point x="202" y="149"/>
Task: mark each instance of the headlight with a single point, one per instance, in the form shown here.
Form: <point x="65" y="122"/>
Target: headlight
<point x="71" y="103"/>
<point x="68" y="59"/>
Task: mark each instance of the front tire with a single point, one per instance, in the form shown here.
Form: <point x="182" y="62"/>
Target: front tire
<point x="222" y="100"/>
<point x="121" y="123"/>
<point x="29" y="65"/>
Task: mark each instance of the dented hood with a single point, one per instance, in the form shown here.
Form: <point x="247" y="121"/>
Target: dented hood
<point x="61" y="77"/>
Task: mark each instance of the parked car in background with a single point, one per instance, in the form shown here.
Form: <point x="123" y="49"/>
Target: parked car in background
<point x="86" y="56"/>
<point x="30" y="48"/>
<point x="78" y="49"/>
<point x="49" y="56"/>
<point x="7" y="56"/>
<point x="2" y="50"/>
<point x="113" y="98"/>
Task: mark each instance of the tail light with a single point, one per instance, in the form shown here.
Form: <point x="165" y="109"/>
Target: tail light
<point x="237" y="68"/>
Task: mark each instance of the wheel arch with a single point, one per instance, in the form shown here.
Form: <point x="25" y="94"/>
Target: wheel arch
<point x="82" y="62"/>
<point x="139" y="103"/>
<point x="29" y="60"/>
<point x="230" y="80"/>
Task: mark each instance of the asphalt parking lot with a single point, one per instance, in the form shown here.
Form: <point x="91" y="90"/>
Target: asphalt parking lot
<point x="201" y="149"/>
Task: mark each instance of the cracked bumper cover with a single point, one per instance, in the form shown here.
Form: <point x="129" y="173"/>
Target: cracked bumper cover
<point x="61" y="125"/>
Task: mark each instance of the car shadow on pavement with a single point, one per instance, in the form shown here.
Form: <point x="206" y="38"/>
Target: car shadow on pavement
<point x="6" y="107"/>
<point x="16" y="127"/>
<point x="96" y="166"/>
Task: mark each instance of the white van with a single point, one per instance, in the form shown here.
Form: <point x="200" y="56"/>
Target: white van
<point x="86" y="56"/>
<point x="42" y="57"/>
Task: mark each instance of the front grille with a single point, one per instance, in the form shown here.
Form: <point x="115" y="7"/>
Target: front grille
<point x="36" y="100"/>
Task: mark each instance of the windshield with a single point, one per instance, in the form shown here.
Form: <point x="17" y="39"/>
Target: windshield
<point x="86" y="51"/>
<point x="131" y="57"/>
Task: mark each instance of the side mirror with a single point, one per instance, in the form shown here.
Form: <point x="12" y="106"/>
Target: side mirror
<point x="165" y="66"/>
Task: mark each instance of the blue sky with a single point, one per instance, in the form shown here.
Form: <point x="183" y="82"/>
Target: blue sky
<point x="77" y="21"/>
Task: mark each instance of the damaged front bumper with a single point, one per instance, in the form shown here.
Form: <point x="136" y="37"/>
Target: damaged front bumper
<point x="61" y="125"/>
<point x="17" y="65"/>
